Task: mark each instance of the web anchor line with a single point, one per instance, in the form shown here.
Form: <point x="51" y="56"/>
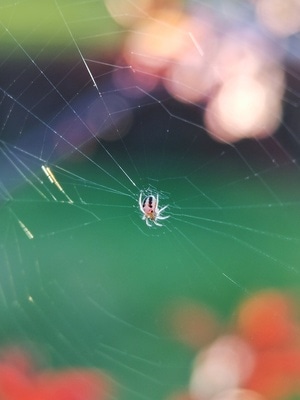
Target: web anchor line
<point x="98" y="91"/>
<point x="47" y="171"/>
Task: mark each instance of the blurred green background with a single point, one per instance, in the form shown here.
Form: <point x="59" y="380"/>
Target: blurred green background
<point x="95" y="293"/>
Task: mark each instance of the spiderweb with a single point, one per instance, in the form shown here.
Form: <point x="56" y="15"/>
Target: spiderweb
<point x="93" y="112"/>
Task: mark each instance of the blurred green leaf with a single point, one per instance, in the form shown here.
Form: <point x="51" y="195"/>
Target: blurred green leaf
<point x="48" y="25"/>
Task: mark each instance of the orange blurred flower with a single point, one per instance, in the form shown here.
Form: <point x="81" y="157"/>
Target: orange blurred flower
<point x="257" y="358"/>
<point x="268" y="320"/>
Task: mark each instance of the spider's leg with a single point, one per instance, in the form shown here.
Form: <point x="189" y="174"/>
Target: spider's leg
<point x="164" y="217"/>
<point x="156" y="223"/>
<point x="141" y="203"/>
<point x="147" y="221"/>
<point x="163" y="208"/>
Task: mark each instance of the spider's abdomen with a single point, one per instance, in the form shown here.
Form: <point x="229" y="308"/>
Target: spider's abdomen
<point x="149" y="204"/>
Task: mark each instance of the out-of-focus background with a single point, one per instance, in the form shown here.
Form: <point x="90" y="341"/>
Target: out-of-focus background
<point x="195" y="103"/>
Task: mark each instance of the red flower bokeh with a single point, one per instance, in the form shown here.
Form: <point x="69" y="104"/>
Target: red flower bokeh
<point x="21" y="380"/>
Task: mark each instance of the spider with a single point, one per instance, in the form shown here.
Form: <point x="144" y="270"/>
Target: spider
<point x="150" y="210"/>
